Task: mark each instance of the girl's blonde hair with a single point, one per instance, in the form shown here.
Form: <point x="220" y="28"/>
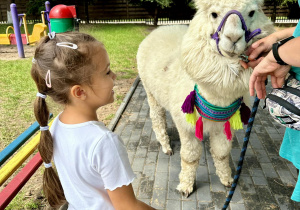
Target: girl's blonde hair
<point x="68" y="67"/>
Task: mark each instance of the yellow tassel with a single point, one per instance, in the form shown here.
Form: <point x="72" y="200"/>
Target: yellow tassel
<point x="191" y="118"/>
<point x="235" y="121"/>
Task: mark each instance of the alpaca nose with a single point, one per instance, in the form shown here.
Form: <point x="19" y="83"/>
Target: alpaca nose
<point x="233" y="38"/>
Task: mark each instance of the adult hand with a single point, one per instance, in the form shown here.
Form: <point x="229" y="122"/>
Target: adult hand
<point x="267" y="66"/>
<point x="251" y="64"/>
<point x="262" y="46"/>
<point x="257" y="50"/>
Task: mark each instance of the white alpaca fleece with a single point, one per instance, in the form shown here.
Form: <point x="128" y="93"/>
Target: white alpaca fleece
<point x="172" y="59"/>
<point x="209" y="3"/>
<point x="202" y="60"/>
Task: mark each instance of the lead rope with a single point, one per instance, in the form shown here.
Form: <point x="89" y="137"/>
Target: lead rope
<point x="248" y="36"/>
<point x="243" y="152"/>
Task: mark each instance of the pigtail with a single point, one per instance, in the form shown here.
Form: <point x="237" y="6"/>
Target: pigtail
<point x="51" y="184"/>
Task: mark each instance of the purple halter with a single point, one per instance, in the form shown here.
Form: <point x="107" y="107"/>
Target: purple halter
<point x="248" y="34"/>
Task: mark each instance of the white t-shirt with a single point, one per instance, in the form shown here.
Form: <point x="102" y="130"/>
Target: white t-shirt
<point x="89" y="159"/>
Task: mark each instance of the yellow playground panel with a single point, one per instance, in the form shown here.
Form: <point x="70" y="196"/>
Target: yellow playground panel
<point x="4" y="38"/>
<point x="38" y="31"/>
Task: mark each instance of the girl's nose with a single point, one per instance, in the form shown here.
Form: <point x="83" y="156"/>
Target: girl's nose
<point x="114" y="76"/>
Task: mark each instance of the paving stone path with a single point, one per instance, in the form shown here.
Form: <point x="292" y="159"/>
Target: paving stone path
<point x="266" y="182"/>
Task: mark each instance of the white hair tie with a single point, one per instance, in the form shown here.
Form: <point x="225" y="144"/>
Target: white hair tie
<point x="67" y="44"/>
<point x="41" y="95"/>
<point x="45" y="128"/>
<point x="34" y="60"/>
<point x="51" y="35"/>
<point x="47" y="165"/>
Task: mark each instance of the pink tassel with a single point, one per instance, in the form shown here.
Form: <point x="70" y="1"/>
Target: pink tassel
<point x="189" y="102"/>
<point x="199" y="129"/>
<point x="227" y="130"/>
<point x="245" y="113"/>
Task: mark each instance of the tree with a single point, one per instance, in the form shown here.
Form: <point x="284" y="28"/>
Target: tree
<point x="153" y="6"/>
<point x="182" y="10"/>
<point x="34" y="7"/>
<point x="285" y="2"/>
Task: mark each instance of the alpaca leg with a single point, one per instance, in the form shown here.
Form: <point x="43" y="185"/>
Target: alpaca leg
<point x="220" y="149"/>
<point x="158" y="117"/>
<point x="190" y="152"/>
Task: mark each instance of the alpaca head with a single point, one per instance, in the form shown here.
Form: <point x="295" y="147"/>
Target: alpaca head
<point x="201" y="58"/>
<point x="232" y="37"/>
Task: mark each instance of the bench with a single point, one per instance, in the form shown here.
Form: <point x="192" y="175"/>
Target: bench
<point x="16" y="184"/>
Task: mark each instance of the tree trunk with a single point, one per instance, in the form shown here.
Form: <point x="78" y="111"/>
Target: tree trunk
<point x="127" y="12"/>
<point x="86" y="11"/>
<point x="273" y="17"/>
<point x="156" y="16"/>
<point x="293" y="11"/>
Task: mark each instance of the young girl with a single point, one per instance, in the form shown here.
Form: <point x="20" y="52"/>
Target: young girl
<point x="91" y="161"/>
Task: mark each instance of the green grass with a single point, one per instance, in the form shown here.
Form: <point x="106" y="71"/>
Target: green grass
<point x="119" y="99"/>
<point x="121" y="44"/>
<point x="110" y="116"/>
<point x="20" y="203"/>
<point x="3" y="28"/>
<point x="16" y="98"/>
<point x="18" y="90"/>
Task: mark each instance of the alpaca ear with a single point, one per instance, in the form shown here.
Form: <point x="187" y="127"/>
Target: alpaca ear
<point x="260" y="2"/>
<point x="202" y="3"/>
<point x="206" y="3"/>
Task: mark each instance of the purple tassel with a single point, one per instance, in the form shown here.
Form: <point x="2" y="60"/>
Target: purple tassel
<point x="245" y="113"/>
<point x="188" y="105"/>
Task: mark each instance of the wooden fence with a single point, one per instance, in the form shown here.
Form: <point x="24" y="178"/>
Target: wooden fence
<point x="5" y="6"/>
<point x="101" y="9"/>
<point x="110" y="10"/>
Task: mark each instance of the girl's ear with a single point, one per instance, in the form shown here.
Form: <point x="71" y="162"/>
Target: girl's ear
<point x="78" y="92"/>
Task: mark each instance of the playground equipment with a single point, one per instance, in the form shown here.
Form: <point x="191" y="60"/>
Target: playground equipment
<point x="60" y="18"/>
<point x="16" y="38"/>
<point x="45" y="15"/>
<point x="4" y="38"/>
<point x="63" y="18"/>
<point x="18" y="157"/>
<point x="37" y="33"/>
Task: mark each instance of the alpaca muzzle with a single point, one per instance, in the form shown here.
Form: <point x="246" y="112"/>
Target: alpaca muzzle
<point x="248" y="34"/>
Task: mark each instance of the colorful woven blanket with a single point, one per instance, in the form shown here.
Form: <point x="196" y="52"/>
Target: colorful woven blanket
<point x="233" y="115"/>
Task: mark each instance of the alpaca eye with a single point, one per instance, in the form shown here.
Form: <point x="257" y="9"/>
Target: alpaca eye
<point x="214" y="15"/>
<point x="251" y="13"/>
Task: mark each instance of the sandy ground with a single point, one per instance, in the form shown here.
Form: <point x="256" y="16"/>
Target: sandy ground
<point x="10" y="52"/>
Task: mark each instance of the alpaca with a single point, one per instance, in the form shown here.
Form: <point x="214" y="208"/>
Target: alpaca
<point x="172" y="59"/>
